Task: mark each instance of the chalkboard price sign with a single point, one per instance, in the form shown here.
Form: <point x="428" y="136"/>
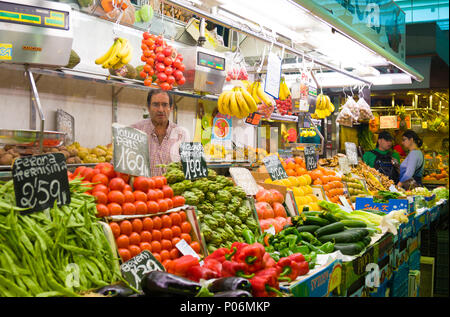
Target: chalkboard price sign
<point x="351" y="152"/>
<point x="130" y="151"/>
<point x="41" y="180"/>
<point x="310" y="157"/>
<point x="135" y="269"/>
<point x="274" y="167"/>
<point x="193" y="160"/>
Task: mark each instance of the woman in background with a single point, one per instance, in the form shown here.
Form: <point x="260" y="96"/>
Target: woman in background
<point x="411" y="170"/>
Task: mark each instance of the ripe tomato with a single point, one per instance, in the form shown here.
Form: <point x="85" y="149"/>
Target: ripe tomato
<point x="100" y="179"/>
<point x="168" y="71"/>
<point x="152" y="207"/>
<point x="115" y="228"/>
<point x="169" y="203"/>
<point x="141" y="183"/>
<point x="151" y="195"/>
<point x="181" y="67"/>
<point x="144" y="46"/>
<point x="165" y="255"/>
<point x="137" y="225"/>
<point x="156" y="247"/>
<point x="147" y="224"/>
<point x="151" y="183"/>
<point x="145" y="246"/>
<point x="148" y="81"/>
<point x="87" y="174"/>
<point x="167" y="191"/>
<point x="186" y="237"/>
<point x="126" y="227"/>
<point x="114" y="209"/>
<point x="167" y="51"/>
<point x="162" y="205"/>
<point x="180" y="57"/>
<point x="157" y="223"/>
<point x="159" y="182"/>
<point x="156" y="235"/>
<point x="128" y="188"/>
<point x="174" y="253"/>
<point x="143" y="58"/>
<point x="175" y="241"/>
<point x="181" y="81"/>
<point x="102" y="211"/>
<point x="159" y="194"/>
<point x="166" y="264"/>
<point x="182" y="215"/>
<point x="168" y="61"/>
<point x="165" y="86"/>
<point x="176" y="64"/>
<point x="122" y="241"/>
<point x="195" y="246"/>
<point x="146" y="35"/>
<point x="146" y="236"/>
<point x="100" y="197"/>
<point x="164" y="179"/>
<point x="141" y="207"/>
<point x="162" y="77"/>
<point x="134" y="250"/>
<point x="186" y="227"/>
<point x="116" y="196"/>
<point x="125" y="254"/>
<point x="129" y="196"/>
<point x="170" y="79"/>
<point x="176" y="231"/>
<point x="176" y="218"/>
<point x="160" y="57"/>
<point x="166" y="244"/>
<point x="178" y="201"/>
<point x="160" y="67"/>
<point x="116" y="183"/>
<point x="135" y="238"/>
<point x="149" y="62"/>
<point x="140" y="196"/>
<point x="146" y="53"/>
<point x="167" y="233"/>
<point x="147" y="68"/>
<point x="159" y="41"/>
<point x="100" y="188"/>
<point x="156" y="255"/>
<point x="107" y="169"/>
<point x="78" y="171"/>
<point x="128" y="209"/>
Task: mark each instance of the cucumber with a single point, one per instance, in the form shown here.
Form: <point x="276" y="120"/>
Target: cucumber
<point x="317" y="221"/>
<point x="330" y="229"/>
<point x="349" y="248"/>
<point x="312" y="213"/>
<point x="307" y="228"/>
<point x="354" y="223"/>
<point x="366" y="241"/>
<point x="346" y="236"/>
<point x="330" y="217"/>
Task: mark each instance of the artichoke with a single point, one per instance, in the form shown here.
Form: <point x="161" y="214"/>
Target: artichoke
<point x="220" y="207"/>
<point x="238" y="192"/>
<point x="216" y="238"/>
<point x="223" y="196"/>
<point x="210" y="221"/>
<point x="191" y="198"/>
<point x="214" y="187"/>
<point x="187" y="184"/>
<point x="220" y="218"/>
<point x="206" y="208"/>
<point x="207" y="232"/>
<point x="200" y="195"/>
<point x="243" y="213"/>
<point x="252" y="224"/>
<point x="211" y="197"/>
<point x="201" y="184"/>
<point x="212" y="174"/>
<point x="174" y="176"/>
<point x="178" y="188"/>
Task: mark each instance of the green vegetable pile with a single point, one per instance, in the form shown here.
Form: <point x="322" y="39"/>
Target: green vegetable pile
<point x="223" y="210"/>
<point x="441" y="193"/>
<point x="384" y="196"/>
<point x="61" y="251"/>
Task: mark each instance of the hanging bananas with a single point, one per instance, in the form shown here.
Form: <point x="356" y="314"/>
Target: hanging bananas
<point x="236" y="102"/>
<point x="284" y="90"/>
<point x="258" y="94"/>
<point x="118" y="55"/>
<point x="324" y="107"/>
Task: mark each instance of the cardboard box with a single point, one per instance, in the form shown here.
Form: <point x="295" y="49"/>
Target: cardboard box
<point x="318" y="284"/>
<point x="384" y="246"/>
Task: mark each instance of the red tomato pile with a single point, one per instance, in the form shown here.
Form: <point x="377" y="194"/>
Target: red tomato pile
<point x="284" y="107"/>
<point x="270" y="209"/>
<point x="157" y="234"/>
<point x="163" y="65"/>
<point x="115" y="196"/>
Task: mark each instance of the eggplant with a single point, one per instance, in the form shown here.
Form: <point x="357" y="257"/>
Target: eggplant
<point x="235" y="293"/>
<point x="158" y="283"/>
<point x="231" y="283"/>
<point x="116" y="290"/>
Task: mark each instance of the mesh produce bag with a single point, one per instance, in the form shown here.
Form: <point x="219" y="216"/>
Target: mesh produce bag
<point x="345" y="117"/>
<point x="365" y="113"/>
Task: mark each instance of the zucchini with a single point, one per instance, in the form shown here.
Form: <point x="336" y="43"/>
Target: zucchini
<point x="330" y="229"/>
<point x="308" y="228"/>
<point x="312" y="213"/>
<point x="312" y="220"/>
<point x="330" y="217"/>
<point x="349" y="248"/>
<point x="354" y="223"/>
<point x="346" y="236"/>
<point x="366" y="241"/>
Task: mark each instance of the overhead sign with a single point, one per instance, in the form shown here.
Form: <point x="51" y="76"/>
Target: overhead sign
<point x="40" y="180"/>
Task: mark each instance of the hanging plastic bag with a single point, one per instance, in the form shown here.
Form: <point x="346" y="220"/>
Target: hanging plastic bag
<point x="345" y="117"/>
<point x="353" y="107"/>
<point x="365" y="113"/>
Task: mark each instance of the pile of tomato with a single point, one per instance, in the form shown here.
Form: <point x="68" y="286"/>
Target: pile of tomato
<point x="158" y="234"/>
<point x="163" y="65"/>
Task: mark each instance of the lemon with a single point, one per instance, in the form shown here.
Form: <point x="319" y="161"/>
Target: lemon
<point x="278" y="182"/>
<point x="286" y="182"/>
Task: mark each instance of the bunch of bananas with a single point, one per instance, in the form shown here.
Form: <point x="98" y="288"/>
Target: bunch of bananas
<point x="284" y="90"/>
<point x="308" y="133"/>
<point x="118" y="55"/>
<point x="236" y="102"/>
<point x="324" y="107"/>
<point x="258" y="94"/>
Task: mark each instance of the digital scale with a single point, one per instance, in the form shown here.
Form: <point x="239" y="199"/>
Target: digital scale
<point x="204" y="70"/>
<point x="35" y="32"/>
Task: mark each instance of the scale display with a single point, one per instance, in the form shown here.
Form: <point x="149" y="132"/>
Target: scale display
<point x="210" y="61"/>
<point x="30" y="15"/>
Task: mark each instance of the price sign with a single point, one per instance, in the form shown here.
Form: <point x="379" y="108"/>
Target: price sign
<point x="344" y="165"/>
<point x="274" y="167"/>
<point x="41" y="180"/>
<point x="193" y="160"/>
<point x="351" y="152"/>
<point x="130" y="151"/>
<point x="135" y="269"/>
<point x="310" y="157"/>
<point x="273" y="76"/>
<point x="253" y="118"/>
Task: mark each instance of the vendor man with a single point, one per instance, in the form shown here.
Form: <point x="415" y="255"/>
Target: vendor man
<point x="383" y="158"/>
<point x="164" y="137"/>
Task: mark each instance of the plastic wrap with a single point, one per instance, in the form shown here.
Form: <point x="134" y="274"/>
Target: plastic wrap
<point x="345" y="117"/>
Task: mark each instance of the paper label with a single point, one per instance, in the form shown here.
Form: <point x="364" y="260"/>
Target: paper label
<point x="345" y="203"/>
<point x="351" y="152"/>
<point x="344" y="165"/>
<point x="271" y="230"/>
<point x="273" y="76"/>
<point x="186" y="249"/>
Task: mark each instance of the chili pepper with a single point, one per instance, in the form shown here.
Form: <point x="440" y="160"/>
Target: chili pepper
<point x="231" y="268"/>
<point x="197" y="272"/>
<point x="252" y="255"/>
<point x="182" y="264"/>
<point x="265" y="283"/>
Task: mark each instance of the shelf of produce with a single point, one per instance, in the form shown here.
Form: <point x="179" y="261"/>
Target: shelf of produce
<point x="106" y="79"/>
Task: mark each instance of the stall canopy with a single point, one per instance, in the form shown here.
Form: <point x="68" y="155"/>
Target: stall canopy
<point x="354" y="41"/>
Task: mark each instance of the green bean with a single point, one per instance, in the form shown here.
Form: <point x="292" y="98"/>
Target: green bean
<point x="32" y="286"/>
<point x="50" y="294"/>
<point x="13" y="287"/>
<point x="75" y="249"/>
<point x="57" y="287"/>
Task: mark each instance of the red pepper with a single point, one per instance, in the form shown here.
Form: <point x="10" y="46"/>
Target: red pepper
<point x="265" y="283"/>
<point x="197" y="272"/>
<point x="303" y="268"/>
<point x="230" y="268"/>
<point x="297" y="257"/>
<point x="223" y="254"/>
<point x="289" y="269"/>
<point x="214" y="265"/>
<point x="269" y="261"/>
<point x="236" y="248"/>
<point x="181" y="265"/>
<point x="253" y="256"/>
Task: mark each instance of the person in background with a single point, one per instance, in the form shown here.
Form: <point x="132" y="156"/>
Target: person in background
<point x="383" y="159"/>
<point x="164" y="136"/>
<point x="398" y="148"/>
<point x="411" y="170"/>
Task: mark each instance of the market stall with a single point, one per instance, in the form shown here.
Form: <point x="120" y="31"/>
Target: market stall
<point x="259" y="203"/>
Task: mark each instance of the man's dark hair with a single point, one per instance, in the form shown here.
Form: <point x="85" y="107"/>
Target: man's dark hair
<point x="153" y="92"/>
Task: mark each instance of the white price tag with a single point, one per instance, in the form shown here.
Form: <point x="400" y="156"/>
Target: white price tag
<point x="347" y="206"/>
<point x="273" y="76"/>
<point x="186" y="249"/>
<point x="392" y="188"/>
<point x="271" y="230"/>
<point x="344" y="165"/>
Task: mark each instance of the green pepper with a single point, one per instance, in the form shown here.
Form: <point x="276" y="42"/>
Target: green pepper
<point x="312" y="247"/>
<point x="248" y="235"/>
<point x="327" y="247"/>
